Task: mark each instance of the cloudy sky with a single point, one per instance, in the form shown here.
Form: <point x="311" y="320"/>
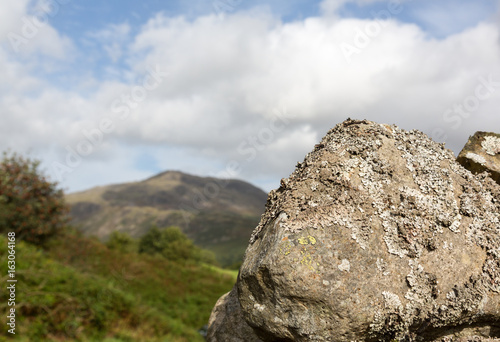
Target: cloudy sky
<point x="119" y="90"/>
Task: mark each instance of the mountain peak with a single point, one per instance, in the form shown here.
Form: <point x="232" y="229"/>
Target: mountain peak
<point x="171" y="174"/>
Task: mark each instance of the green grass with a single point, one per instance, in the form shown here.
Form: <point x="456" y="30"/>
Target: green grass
<point x="231" y="273"/>
<point x="77" y="289"/>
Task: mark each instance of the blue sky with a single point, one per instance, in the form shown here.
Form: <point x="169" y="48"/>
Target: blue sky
<point x="438" y="18"/>
<point x="115" y="91"/>
<point x="82" y="20"/>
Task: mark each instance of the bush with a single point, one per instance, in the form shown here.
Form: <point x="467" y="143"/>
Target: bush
<point x="169" y="242"/>
<point x="150" y="242"/>
<point x="122" y="242"/>
<point x="30" y="206"/>
<point x="174" y="245"/>
<point x="207" y="257"/>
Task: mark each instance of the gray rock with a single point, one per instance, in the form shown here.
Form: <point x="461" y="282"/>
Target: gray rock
<point x="226" y="323"/>
<point x="482" y="153"/>
<point x="468" y="339"/>
<point x="378" y="235"/>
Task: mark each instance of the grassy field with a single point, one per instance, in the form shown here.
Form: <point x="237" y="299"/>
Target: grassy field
<point x="77" y="289"/>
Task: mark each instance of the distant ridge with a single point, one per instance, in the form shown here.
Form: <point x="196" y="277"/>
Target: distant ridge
<point x="218" y="214"/>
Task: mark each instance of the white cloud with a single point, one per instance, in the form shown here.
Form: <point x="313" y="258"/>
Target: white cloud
<point x="227" y="79"/>
<point x="25" y="29"/>
<point x="10" y="15"/>
<point x="112" y="39"/>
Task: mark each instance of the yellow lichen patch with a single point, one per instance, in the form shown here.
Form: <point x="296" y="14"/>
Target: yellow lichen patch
<point x="308" y="261"/>
<point x="305" y="240"/>
<point x="286" y="247"/>
<point x="306" y="258"/>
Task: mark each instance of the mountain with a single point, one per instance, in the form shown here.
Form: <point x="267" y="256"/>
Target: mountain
<point x="217" y="214"/>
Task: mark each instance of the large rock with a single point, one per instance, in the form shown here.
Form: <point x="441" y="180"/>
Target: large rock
<point x="482" y="153"/>
<point x="378" y="235"/>
<point x="226" y="323"/>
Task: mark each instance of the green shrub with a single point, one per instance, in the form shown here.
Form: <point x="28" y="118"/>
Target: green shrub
<point x="173" y="245"/>
<point x="122" y="242"/>
<point x="207" y="257"/>
<point x="30" y="206"/>
<point x="169" y="242"/>
<point x="151" y="243"/>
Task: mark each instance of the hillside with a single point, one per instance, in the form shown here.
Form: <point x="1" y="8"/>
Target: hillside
<point x="77" y="289"/>
<point x="217" y="214"/>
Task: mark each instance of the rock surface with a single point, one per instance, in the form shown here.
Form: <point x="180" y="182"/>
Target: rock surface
<point x="482" y="153"/>
<point x="378" y="235"/>
<point x="226" y="323"/>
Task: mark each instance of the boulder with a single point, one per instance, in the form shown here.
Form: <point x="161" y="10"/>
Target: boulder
<point x="226" y="323"/>
<point x="469" y="339"/>
<point x="482" y="153"/>
<point x="378" y="235"/>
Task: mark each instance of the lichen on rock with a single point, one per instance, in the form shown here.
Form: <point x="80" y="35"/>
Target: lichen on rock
<point x="378" y="234"/>
<point x="491" y="145"/>
<point x="226" y="323"/>
<point x="481" y="153"/>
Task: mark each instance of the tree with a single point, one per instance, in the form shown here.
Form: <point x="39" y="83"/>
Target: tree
<point x="170" y="242"/>
<point x="30" y="206"/>
<point x="122" y="242"/>
<point x="178" y="246"/>
<point x="150" y="242"/>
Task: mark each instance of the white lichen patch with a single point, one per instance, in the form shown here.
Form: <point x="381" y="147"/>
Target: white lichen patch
<point x="456" y="224"/>
<point x="277" y="320"/>
<point x="345" y="265"/>
<point x="313" y="204"/>
<point x="359" y="235"/>
<point x="259" y="307"/>
<point x="451" y="295"/>
<point x="281" y="220"/>
<point x="476" y="158"/>
<point x="392" y="301"/>
<point x="382" y="266"/>
<point x="314" y="186"/>
<point x="491" y="145"/>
